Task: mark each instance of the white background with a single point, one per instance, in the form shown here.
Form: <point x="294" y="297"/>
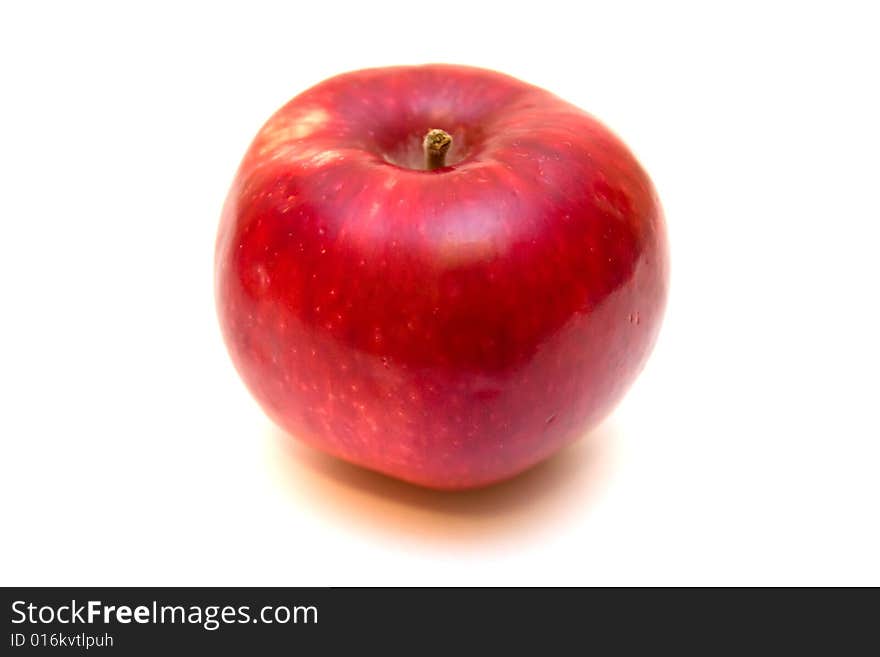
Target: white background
<point x="747" y="453"/>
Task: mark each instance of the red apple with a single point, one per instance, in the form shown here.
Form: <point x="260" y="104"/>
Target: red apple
<point x="450" y="323"/>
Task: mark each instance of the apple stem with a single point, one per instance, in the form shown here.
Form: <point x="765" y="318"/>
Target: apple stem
<point x="436" y="145"/>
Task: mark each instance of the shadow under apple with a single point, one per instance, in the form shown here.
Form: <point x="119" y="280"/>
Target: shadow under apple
<point x="518" y="509"/>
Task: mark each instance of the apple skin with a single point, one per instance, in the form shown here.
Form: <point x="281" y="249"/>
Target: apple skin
<point x="450" y="327"/>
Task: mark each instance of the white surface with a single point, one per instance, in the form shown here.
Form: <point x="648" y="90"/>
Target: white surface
<point x="747" y="453"/>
